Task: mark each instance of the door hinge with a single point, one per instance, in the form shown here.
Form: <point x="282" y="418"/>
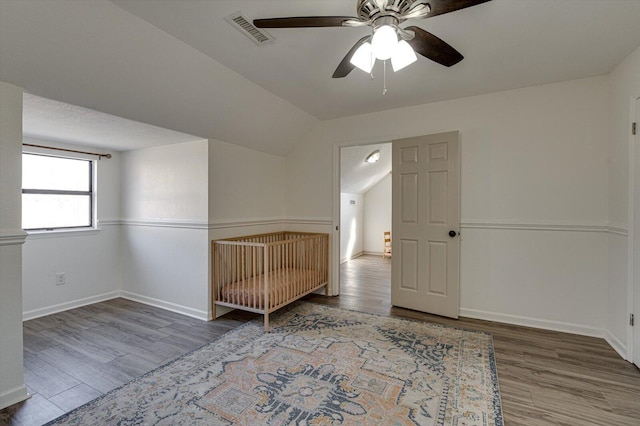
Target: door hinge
<point x="633" y="128"/>
<point x="631" y="320"/>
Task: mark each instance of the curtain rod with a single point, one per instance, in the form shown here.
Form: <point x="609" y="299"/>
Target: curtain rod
<point x="68" y="150"/>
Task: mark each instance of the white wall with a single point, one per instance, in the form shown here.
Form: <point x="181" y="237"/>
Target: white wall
<point x="12" y="388"/>
<point x="166" y="183"/>
<point x="165" y="197"/>
<point x="90" y="260"/>
<point x="246" y="185"/>
<point x="534" y="193"/>
<point x="624" y="88"/>
<point x="377" y="215"/>
<point x="246" y="193"/>
<point x="351" y="226"/>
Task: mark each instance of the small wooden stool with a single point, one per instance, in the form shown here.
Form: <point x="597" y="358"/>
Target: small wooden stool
<point x="387" y="244"/>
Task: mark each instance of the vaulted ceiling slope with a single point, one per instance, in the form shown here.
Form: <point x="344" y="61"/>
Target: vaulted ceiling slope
<point x="96" y="55"/>
<point x="178" y="65"/>
<point x="506" y="44"/>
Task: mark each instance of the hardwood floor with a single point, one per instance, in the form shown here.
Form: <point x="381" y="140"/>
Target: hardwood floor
<point x="546" y="377"/>
<point x="75" y="356"/>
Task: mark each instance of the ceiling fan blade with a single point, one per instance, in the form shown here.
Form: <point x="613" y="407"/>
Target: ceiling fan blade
<point x="433" y="48"/>
<point x="345" y="66"/>
<point x="440" y="7"/>
<point x="303" y="21"/>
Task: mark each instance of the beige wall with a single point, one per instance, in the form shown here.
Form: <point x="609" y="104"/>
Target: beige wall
<point x="534" y="195"/>
<point x="164" y="232"/>
<point x="90" y="259"/>
<point x="12" y="388"/>
<point x="377" y="215"/>
<point x="246" y="185"/>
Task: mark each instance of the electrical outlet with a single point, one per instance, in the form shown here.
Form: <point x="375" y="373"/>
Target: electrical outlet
<point x="61" y="278"/>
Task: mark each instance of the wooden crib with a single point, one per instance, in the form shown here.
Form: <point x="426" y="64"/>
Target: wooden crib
<point x="262" y="273"/>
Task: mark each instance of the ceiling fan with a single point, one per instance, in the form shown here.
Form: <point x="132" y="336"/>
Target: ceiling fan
<point x="388" y="40"/>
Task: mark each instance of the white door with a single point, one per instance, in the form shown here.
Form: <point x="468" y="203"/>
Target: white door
<point x="636" y="226"/>
<point x="425" y="224"/>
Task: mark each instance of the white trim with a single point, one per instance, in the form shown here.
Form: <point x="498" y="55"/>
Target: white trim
<point x="308" y="221"/>
<point x="109" y="222"/>
<point x="618" y="229"/>
<point x="615" y="230"/>
<point x="544" y="324"/>
<point x="631" y="205"/>
<point x="225" y="223"/>
<point x="12" y="237"/>
<point x="169" y="306"/>
<point x="62" y="233"/>
<point x="545" y="226"/>
<point x="166" y="223"/>
<point x="61" y="307"/>
<point x="353" y="256"/>
<point x="217" y="224"/>
<point x="373" y="253"/>
<point x="13" y="396"/>
<point x="616" y="344"/>
<point x="334" y="261"/>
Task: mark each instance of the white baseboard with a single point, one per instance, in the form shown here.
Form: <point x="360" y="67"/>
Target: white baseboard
<point x="564" y="327"/>
<point x="373" y="253"/>
<point x="53" y="309"/>
<point x="346" y="259"/>
<point x="13" y="396"/>
<point x="61" y="307"/>
<point x="169" y="306"/>
<point x="617" y="345"/>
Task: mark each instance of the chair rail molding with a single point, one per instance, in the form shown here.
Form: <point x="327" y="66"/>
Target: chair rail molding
<point x="618" y="229"/>
<point x="11" y="237"/>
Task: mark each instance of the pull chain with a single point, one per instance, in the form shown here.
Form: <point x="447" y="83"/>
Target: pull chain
<point x="384" y="77"/>
<point x="373" y="62"/>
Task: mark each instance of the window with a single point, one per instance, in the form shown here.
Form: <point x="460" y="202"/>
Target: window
<point x="57" y="192"/>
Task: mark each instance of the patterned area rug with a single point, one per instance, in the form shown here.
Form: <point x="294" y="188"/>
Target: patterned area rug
<point x="318" y="366"/>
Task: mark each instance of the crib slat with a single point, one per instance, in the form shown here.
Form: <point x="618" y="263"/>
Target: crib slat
<point x="296" y="261"/>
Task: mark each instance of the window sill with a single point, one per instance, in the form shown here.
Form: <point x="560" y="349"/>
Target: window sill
<point x="61" y="233"/>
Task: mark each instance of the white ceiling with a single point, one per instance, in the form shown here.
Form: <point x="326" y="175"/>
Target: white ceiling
<point x="506" y="44"/>
<point x="178" y="65"/>
<point x="356" y="176"/>
<point x="52" y="120"/>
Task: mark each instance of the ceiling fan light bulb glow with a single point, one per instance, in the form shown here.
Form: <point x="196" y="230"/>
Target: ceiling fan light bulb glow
<point x="373" y="157"/>
<point x="384" y="42"/>
<point x="363" y="58"/>
<point x="403" y="56"/>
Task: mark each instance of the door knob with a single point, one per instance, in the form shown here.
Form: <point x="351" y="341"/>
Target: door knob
<point x="452" y="233"/>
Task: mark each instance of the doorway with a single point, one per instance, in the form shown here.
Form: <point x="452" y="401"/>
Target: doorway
<point x="425" y="201"/>
<point x="635" y="289"/>
<point x="365" y="215"/>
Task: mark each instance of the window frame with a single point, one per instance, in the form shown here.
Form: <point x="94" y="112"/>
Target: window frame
<point x="91" y="193"/>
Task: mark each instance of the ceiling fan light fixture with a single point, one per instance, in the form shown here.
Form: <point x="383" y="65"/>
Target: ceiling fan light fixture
<point x="363" y="58"/>
<point x="403" y="56"/>
<point x="384" y="42"/>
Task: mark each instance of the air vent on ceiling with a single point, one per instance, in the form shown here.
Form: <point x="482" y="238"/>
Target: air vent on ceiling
<point x="245" y="26"/>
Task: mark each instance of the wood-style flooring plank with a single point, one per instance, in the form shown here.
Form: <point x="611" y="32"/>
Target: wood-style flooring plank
<point x="75" y="397"/>
<point x="46" y="379"/>
<point x="546" y="377"/>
